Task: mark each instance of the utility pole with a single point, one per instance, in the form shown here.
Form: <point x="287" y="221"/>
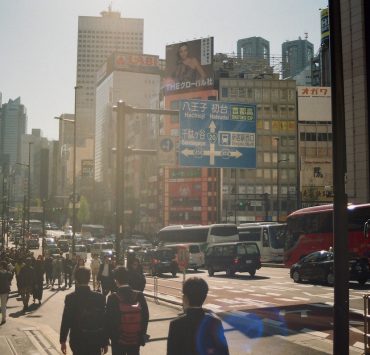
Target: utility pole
<point x="29" y="188"/>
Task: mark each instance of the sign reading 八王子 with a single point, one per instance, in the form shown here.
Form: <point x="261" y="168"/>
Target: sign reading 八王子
<point x="217" y="134"/>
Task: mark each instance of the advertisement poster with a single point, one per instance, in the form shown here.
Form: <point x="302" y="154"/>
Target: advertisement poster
<point x="189" y="66"/>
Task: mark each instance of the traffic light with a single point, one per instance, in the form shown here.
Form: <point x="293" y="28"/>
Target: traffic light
<point x="242" y="205"/>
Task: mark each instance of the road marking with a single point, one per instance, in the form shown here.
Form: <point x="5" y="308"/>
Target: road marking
<point x="237" y="291"/>
<point x="301" y="298"/>
<point x="360" y="345"/>
<point x="212" y="307"/>
<point x="355" y="330"/>
<point x="315" y="332"/>
<point x="257" y="295"/>
<point x="284" y="299"/>
<point x="303" y="312"/>
<point x="273" y="294"/>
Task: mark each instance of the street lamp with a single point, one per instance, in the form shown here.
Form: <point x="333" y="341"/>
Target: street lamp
<point x="74" y="168"/>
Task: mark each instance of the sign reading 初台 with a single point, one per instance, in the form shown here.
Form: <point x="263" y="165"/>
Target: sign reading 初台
<point x="217" y="134"/>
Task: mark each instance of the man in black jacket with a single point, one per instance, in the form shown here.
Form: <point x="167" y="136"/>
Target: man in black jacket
<point x="5" y="281"/>
<point x="196" y="332"/>
<point x="83" y="319"/>
<point x="126" y="339"/>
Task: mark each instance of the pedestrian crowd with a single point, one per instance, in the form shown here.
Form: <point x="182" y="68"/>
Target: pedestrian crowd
<point x="115" y="311"/>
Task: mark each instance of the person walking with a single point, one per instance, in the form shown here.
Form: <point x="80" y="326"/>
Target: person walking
<point x="67" y="270"/>
<point x="26" y="280"/>
<point x="17" y="269"/>
<point x="57" y="271"/>
<point x="196" y="332"/>
<point x="136" y="278"/>
<point x="48" y="264"/>
<point x="127" y="316"/>
<point x="105" y="276"/>
<point x="94" y="266"/>
<point x="83" y="318"/>
<point x="5" y="281"/>
<point x="38" y="286"/>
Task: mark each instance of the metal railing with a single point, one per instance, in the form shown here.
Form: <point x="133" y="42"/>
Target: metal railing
<point x="154" y="289"/>
<point x="367" y="324"/>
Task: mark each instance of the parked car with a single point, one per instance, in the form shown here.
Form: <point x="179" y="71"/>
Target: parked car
<point x="158" y="261"/>
<point x="233" y="257"/>
<point x="63" y="245"/>
<point x="319" y="266"/>
<point x="49" y="241"/>
<point x="97" y="248"/>
<point x="81" y="251"/>
<point x="110" y="253"/>
<point x="52" y="249"/>
<point x="33" y="243"/>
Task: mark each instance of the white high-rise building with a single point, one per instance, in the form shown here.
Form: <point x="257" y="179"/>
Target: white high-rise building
<point x="98" y="38"/>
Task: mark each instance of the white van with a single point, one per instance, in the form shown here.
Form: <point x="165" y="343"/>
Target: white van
<point x="196" y="255"/>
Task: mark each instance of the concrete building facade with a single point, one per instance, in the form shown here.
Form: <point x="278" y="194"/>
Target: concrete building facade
<point x="252" y="194"/>
<point x="98" y="38"/>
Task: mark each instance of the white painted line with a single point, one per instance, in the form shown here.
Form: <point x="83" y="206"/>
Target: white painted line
<point x="284" y="299"/>
<point x="273" y="294"/>
<point x="357" y="311"/>
<point x="360" y="345"/>
<point x="355" y="330"/>
<point x="356" y="322"/>
<point x="237" y="291"/>
<point x="315" y="333"/>
<point x="257" y="295"/>
<point x="212" y="307"/>
<point x="301" y="298"/>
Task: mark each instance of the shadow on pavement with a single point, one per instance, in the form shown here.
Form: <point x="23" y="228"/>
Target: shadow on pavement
<point x="242" y="277"/>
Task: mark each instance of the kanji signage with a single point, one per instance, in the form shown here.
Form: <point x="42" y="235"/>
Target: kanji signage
<point x="217" y="134"/>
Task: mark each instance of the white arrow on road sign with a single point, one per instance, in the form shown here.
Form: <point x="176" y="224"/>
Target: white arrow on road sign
<point x="216" y="153"/>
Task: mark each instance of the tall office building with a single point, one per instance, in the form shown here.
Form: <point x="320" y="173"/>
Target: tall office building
<point x="297" y="56"/>
<point x="253" y="48"/>
<point x="13" y="124"/>
<point x="98" y="38"/>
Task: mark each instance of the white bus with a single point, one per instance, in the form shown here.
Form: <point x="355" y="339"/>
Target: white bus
<point x="35" y="227"/>
<point x="204" y="235"/>
<point x="270" y="238"/>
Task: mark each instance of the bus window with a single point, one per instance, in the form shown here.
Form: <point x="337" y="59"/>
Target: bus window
<point x="250" y="234"/>
<point x="277" y="236"/>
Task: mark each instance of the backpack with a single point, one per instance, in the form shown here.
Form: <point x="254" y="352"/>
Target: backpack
<point x="131" y="321"/>
<point x="91" y="321"/>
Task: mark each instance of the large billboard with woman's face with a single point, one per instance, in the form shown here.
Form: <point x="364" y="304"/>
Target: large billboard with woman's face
<point x="189" y="66"/>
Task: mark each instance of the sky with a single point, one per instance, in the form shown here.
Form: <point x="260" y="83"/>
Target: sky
<point x="38" y="45"/>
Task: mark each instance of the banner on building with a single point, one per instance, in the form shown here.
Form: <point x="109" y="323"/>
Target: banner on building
<point x="314" y="103"/>
<point x="189" y="66"/>
<point x="87" y="168"/>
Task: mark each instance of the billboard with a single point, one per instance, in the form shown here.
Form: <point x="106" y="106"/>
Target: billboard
<point x="215" y="134"/>
<point x="324" y="19"/>
<point x="314" y="103"/>
<point x="189" y="66"/>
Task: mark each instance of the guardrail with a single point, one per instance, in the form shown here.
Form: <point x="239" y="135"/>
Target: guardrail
<point x="367" y="324"/>
<point x="155" y="289"/>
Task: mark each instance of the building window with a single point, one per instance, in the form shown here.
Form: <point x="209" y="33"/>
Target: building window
<point x="224" y="92"/>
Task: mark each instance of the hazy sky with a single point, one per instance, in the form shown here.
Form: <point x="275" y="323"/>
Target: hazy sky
<point x="39" y="39"/>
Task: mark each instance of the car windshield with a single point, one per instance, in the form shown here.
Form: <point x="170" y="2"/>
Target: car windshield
<point x="165" y="254"/>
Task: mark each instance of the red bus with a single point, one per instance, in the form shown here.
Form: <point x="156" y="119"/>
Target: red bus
<point x="311" y="229"/>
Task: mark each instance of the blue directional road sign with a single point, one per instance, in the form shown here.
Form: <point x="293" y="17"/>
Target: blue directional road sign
<point x="216" y="134"/>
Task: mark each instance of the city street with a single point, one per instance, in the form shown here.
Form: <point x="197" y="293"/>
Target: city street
<point x="268" y="311"/>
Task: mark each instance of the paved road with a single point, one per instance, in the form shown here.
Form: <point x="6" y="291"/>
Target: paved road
<point x="258" y="313"/>
<point x="272" y="297"/>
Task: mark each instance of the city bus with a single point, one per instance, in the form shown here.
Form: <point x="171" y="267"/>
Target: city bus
<point x="198" y="234"/>
<point x="35" y="227"/>
<point x="96" y="231"/>
<point x="311" y="229"/>
<point x="270" y="238"/>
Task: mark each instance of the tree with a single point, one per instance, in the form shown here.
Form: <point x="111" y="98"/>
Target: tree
<point x="83" y="214"/>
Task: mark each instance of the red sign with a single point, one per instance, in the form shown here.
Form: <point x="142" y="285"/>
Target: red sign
<point x="182" y="257"/>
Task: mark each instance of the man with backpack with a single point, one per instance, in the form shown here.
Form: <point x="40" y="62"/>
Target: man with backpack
<point x="83" y="318"/>
<point x="127" y="317"/>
